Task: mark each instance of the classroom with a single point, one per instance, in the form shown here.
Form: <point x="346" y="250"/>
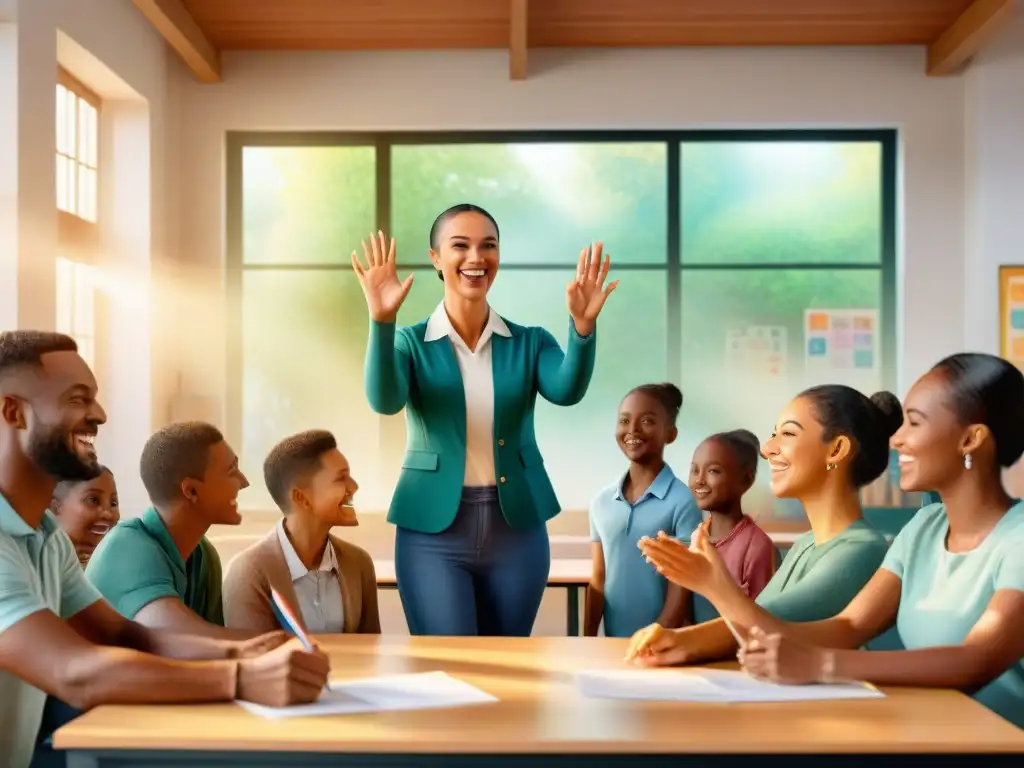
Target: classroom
<point x="790" y="194"/>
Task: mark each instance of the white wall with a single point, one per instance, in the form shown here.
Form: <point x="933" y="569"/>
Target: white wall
<point x="657" y="88"/>
<point x="110" y="47"/>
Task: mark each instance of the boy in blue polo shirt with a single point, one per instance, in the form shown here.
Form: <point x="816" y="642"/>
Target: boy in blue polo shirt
<point x="625" y="591"/>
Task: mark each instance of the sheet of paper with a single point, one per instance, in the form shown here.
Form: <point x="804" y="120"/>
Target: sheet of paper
<point x="707" y="685"/>
<point x="425" y="690"/>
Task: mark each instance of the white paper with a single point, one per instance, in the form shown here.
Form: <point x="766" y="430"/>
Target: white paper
<point x="707" y="685"/>
<point x="425" y="690"/>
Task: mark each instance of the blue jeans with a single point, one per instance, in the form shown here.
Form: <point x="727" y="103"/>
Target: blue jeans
<point x="480" y="576"/>
<point x="56" y="715"/>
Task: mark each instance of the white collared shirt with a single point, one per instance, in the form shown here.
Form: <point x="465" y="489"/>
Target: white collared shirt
<point x="478" y="383"/>
<point x="319" y="591"/>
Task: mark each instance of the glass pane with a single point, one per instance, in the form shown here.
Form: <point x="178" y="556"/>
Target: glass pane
<point x="307" y="205"/>
<point x="86" y="193"/>
<point x="781" y="202"/>
<point x="304" y="343"/>
<point x="87" y="137"/>
<point x="64" y="281"/>
<point x="62" y="116"/>
<point x="745" y="354"/>
<point x="71" y="185"/>
<point x="550" y="200"/>
<point x="63" y="196"/>
<point x="70" y="123"/>
<point x="85" y="293"/>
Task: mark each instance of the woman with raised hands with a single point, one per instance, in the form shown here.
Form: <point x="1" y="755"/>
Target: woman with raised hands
<point x="471" y="548"/>
<point x="828" y="443"/>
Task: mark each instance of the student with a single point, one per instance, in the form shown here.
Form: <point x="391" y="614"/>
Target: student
<point x="154" y="568"/>
<point x="828" y="443"/>
<point x="332" y="583"/>
<point x="623" y="590"/>
<point x="86" y="510"/>
<point x="724" y="468"/>
<point x="472" y="553"/>
<point x="57" y="635"/>
<point x="953" y="581"/>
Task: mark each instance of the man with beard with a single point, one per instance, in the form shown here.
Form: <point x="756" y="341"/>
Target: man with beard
<point x="57" y="635"/>
<point x="155" y="568"/>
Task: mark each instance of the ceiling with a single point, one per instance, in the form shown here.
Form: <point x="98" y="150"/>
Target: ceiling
<point x="217" y="25"/>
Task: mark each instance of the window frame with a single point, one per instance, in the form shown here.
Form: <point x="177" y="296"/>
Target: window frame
<point x="673" y="266"/>
<point x="77" y="232"/>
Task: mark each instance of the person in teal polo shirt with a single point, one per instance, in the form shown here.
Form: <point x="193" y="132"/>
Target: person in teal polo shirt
<point x="953" y="581"/>
<point x="58" y="636"/>
<point x="828" y="443"/>
<point x="159" y="569"/>
<point x="471" y="548"/>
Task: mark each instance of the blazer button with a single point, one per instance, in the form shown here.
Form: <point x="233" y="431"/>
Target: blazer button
<point x="500" y="442"/>
<point x="502" y="479"/>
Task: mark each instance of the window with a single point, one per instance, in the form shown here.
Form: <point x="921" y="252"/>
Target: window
<point x="76" y="315"/>
<point x="77" y="148"/>
<point x="732" y="250"/>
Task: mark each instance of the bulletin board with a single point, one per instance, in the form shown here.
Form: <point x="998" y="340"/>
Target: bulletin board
<point x="844" y="340"/>
<point x="1011" y="314"/>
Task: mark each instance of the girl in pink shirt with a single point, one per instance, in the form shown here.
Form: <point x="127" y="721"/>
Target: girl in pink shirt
<point x="723" y="469"/>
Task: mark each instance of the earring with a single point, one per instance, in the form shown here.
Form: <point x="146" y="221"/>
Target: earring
<point x="968" y="461"/>
<point x="829" y="467"/>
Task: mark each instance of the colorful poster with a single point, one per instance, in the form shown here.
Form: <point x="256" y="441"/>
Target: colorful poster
<point x="757" y="349"/>
<point x="1011" y="314"/>
<point x="841" y="340"/>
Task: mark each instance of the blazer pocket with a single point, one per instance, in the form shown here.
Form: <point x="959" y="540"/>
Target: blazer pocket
<point x="424" y="460"/>
<point x="530" y="456"/>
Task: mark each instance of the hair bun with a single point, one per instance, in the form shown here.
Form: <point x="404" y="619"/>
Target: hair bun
<point x="890" y="411"/>
<point x="746" y="436"/>
<point x="673" y="394"/>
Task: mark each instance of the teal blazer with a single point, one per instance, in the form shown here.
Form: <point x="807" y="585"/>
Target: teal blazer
<point x="404" y="371"/>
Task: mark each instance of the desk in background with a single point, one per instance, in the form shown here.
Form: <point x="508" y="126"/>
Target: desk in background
<point x="539" y="715"/>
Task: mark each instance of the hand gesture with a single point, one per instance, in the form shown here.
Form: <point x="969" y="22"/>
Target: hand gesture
<point x="585" y="296"/>
<point x="287" y="675"/>
<point x="655" y="646"/>
<point x="774" y="658"/>
<point x="257" y="646"/>
<point x="379" y="279"/>
<point x="698" y="568"/>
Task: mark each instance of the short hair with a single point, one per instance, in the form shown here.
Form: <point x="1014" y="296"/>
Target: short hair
<point x="293" y="461"/>
<point x="744" y="445"/>
<point x="63" y="488"/>
<point x="668" y="395"/>
<point x="868" y="421"/>
<point x="173" y="454"/>
<point x="455" y="210"/>
<point x="985" y="389"/>
<point x="26" y="348"/>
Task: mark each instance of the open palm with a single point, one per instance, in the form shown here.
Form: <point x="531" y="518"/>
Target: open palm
<point x="586" y="294"/>
<point x="383" y="290"/>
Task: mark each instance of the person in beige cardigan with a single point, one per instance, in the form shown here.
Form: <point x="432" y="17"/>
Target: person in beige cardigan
<point x="331" y="583"/>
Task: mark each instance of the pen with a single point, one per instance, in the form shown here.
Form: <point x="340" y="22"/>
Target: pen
<point x="739" y="640"/>
<point x="289" y="618"/>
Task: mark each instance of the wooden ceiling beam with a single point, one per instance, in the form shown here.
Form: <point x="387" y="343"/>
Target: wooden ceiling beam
<point x="966" y="36"/>
<point x="173" y="21"/>
<point x="517" y="43"/>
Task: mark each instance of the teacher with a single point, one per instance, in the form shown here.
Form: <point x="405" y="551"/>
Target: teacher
<point x="471" y="548"/>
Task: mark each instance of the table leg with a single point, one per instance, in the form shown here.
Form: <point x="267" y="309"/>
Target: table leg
<point x="572" y="611"/>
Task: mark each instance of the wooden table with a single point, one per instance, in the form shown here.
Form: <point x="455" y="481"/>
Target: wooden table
<point x="570" y="574"/>
<point x="539" y="715"/>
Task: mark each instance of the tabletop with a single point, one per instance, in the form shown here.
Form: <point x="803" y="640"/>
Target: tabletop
<point x="540" y="712"/>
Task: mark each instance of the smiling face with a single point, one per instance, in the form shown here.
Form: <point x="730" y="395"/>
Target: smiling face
<point x="215" y="495"/>
<point x="330" y="490"/>
<point x="643" y="428"/>
<point x="717" y="480"/>
<point x="467" y="254"/>
<point x="797" y="455"/>
<point x="87" y="512"/>
<point x="931" y="441"/>
<point x="59" y="417"/>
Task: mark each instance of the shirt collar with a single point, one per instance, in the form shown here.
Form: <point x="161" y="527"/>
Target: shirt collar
<point x="14" y="524"/>
<point x="439" y="326"/>
<point x="295" y="567"/>
<point x="155" y="527"/>
<point x="659" y="487"/>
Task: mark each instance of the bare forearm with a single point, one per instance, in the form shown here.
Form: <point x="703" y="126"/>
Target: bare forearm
<point x="123" y="676"/>
<point x="709" y="641"/>
<point x="949" y="667"/>
<point x="593" y="610"/>
<point x="678" y="609"/>
<point x="174" y="645"/>
<point x="746" y="614"/>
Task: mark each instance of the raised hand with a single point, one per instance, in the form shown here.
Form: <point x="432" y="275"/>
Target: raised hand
<point x="698" y="568"/>
<point x="585" y="296"/>
<point x="379" y="278"/>
<point x="287" y="675"/>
